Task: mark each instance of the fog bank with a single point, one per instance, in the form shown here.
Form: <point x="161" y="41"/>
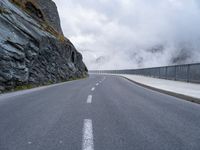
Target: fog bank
<point x="118" y="34"/>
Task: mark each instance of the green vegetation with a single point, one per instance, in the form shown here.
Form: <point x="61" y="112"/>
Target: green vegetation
<point x="30" y="86"/>
<point x="52" y="31"/>
<point x="3" y="10"/>
<point x="24" y="87"/>
<point x="16" y="2"/>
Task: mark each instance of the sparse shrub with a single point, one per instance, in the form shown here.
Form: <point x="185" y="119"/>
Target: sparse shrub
<point x="17" y="2"/>
<point x="3" y="10"/>
<point x="24" y="87"/>
<point x="52" y="31"/>
<point x="61" y="38"/>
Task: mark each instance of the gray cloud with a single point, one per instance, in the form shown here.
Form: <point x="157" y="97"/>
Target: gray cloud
<point x="117" y="34"/>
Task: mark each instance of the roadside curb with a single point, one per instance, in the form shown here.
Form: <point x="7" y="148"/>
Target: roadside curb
<point x="181" y="96"/>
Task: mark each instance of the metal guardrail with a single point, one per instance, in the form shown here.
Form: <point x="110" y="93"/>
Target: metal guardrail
<point x="186" y="72"/>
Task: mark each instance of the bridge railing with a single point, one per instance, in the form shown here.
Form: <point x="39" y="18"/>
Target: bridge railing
<point x="186" y="72"/>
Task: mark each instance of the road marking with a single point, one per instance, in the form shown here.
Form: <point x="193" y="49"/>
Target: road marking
<point x="93" y="89"/>
<point x="88" y="143"/>
<point x="103" y="79"/>
<point x="29" y="142"/>
<point x="89" y="99"/>
<point x="97" y="84"/>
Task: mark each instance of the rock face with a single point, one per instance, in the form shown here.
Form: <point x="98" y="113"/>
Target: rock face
<point x="50" y="12"/>
<point x="33" y="49"/>
<point x="44" y="10"/>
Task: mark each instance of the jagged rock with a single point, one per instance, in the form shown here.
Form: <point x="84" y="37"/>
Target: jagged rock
<point x="32" y="54"/>
<point x="49" y="9"/>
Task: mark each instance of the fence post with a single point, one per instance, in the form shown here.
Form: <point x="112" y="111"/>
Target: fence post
<point x="188" y="73"/>
<point x="159" y="72"/>
<point x="175" y="72"/>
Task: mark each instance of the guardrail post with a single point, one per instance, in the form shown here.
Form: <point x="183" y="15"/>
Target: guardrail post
<point x="159" y="73"/>
<point x="188" y="73"/>
<point x="175" y="73"/>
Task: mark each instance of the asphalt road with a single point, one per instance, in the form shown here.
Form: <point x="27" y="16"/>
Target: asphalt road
<point x="98" y="113"/>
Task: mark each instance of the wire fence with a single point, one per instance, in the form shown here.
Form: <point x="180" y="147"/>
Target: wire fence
<point x="186" y="72"/>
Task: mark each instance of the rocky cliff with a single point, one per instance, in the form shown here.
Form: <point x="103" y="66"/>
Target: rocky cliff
<point x="33" y="50"/>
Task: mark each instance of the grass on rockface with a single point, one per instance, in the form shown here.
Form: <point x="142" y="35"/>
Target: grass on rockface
<point x="30" y="86"/>
<point x="52" y="31"/>
<point x="24" y="87"/>
<point x="3" y="10"/>
<point x="45" y="25"/>
<point x="17" y="2"/>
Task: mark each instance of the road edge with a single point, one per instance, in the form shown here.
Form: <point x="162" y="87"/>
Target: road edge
<point x="30" y="90"/>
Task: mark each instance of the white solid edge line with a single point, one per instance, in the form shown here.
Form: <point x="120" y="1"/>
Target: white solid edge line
<point x="93" y="89"/>
<point x="87" y="143"/>
<point x="89" y="99"/>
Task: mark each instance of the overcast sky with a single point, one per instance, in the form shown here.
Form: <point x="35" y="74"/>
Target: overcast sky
<point x="118" y="34"/>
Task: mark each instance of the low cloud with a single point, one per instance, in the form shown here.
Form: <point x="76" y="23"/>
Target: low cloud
<point x="118" y="34"/>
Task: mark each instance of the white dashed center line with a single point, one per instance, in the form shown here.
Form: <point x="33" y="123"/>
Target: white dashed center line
<point x="29" y="142"/>
<point x="89" y="99"/>
<point x="93" y="89"/>
<point x="97" y="84"/>
<point x="88" y="143"/>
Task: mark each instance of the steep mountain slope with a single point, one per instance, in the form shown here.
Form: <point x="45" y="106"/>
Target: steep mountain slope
<point x="33" y="49"/>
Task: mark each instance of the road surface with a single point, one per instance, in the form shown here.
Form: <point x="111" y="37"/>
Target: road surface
<point x="98" y="113"/>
